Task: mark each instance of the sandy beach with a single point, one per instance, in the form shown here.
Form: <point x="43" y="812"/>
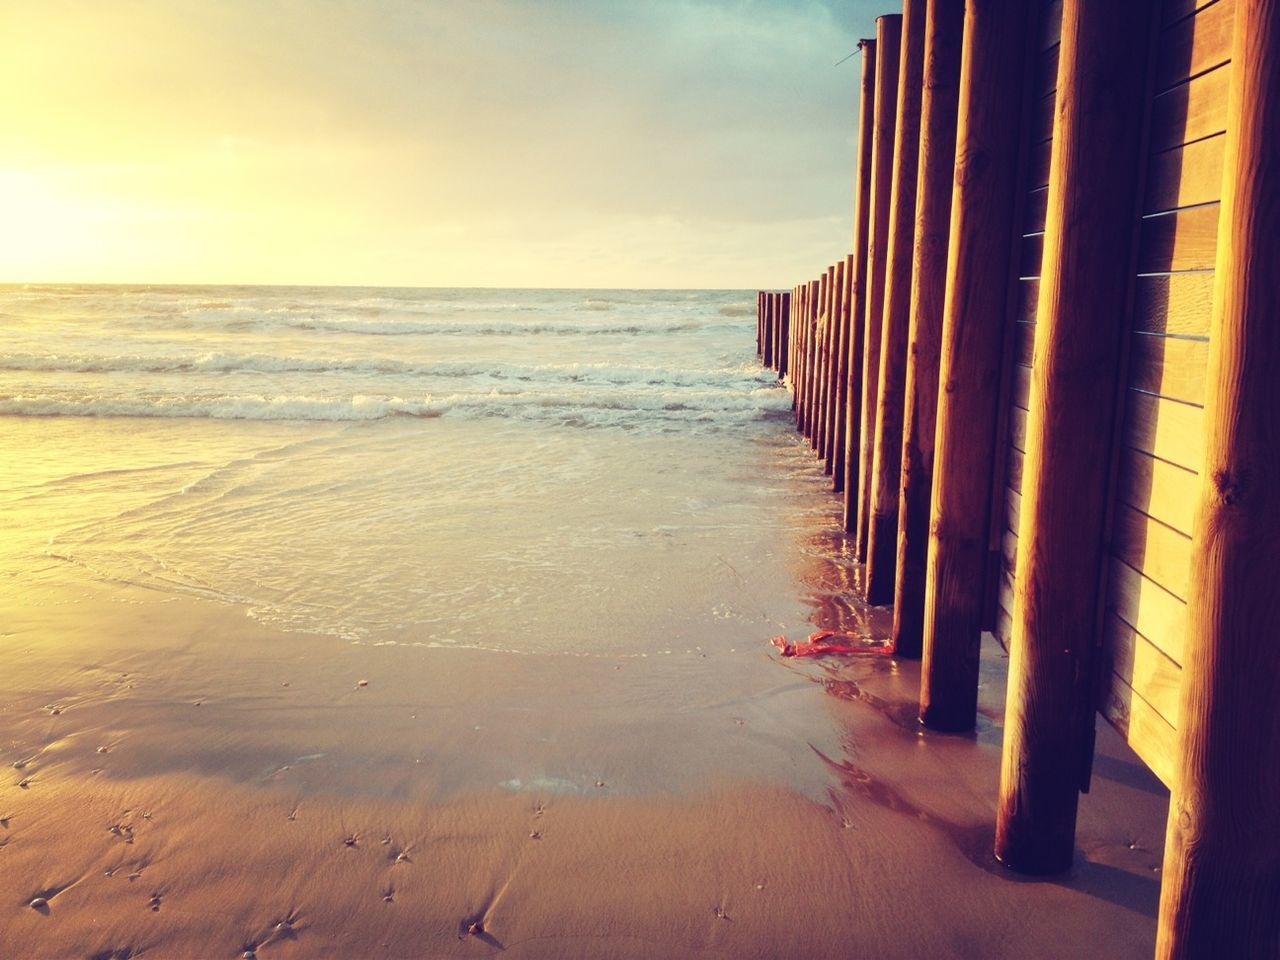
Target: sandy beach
<point x="185" y="782"/>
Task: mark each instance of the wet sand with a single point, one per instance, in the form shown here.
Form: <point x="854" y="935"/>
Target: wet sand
<point x="180" y="780"/>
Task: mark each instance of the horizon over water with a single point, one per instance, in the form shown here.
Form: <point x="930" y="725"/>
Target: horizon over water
<point x="537" y="471"/>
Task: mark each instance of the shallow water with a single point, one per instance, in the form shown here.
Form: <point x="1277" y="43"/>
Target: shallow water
<point x="530" y="471"/>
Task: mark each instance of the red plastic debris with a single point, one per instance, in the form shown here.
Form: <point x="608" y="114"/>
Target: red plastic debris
<point x="829" y="641"/>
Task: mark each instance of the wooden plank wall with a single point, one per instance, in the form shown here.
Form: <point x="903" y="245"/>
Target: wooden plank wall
<point x="1037" y="193"/>
<point x="1157" y="485"/>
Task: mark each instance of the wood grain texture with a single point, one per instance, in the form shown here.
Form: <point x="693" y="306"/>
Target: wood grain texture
<point x="1177" y="305"/>
<point x="1186" y="175"/>
<point x="1160" y="552"/>
<point x="889" y="52"/>
<point x="995" y="82"/>
<point x="831" y="385"/>
<point x="1222" y="852"/>
<point x="944" y="28"/>
<point x="1171" y="367"/>
<point x="1090" y="234"/>
<point x="858" y="288"/>
<point x="1166" y="429"/>
<point x="886" y="455"/>
<point x="1184" y="240"/>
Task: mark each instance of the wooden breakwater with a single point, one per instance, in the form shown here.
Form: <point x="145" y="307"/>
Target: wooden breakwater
<point x="1044" y="384"/>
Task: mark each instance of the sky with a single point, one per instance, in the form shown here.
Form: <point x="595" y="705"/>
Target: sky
<point x="547" y="143"/>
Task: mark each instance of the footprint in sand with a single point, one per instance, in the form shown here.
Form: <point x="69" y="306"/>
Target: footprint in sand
<point x="154" y="903"/>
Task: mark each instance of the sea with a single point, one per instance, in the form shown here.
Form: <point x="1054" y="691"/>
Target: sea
<point x="538" y="471"/>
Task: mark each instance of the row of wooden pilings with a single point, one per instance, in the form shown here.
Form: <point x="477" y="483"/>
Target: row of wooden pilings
<point x="898" y="356"/>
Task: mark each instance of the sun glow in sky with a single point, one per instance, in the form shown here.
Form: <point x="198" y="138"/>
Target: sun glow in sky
<point x="701" y="143"/>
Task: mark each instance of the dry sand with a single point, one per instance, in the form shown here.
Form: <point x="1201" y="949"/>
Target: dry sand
<point x="180" y="781"/>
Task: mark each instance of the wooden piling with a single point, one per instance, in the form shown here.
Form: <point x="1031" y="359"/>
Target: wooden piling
<point x="844" y="277"/>
<point x="759" y="323"/>
<point x="944" y="29"/>
<point x="1089" y="241"/>
<point x="889" y="50"/>
<point x="852" y="432"/>
<point x="995" y="93"/>
<point x="791" y="344"/>
<point x="780" y="342"/>
<point x="829" y="370"/>
<point x="819" y="364"/>
<point x="886" y="458"/>
<point x="811" y="333"/>
<point x="770" y="305"/>
<point x="1222" y="852"/>
<point x="802" y="355"/>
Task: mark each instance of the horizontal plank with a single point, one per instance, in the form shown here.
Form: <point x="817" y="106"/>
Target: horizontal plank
<point x="1028" y="300"/>
<point x="1004" y="628"/>
<point x="1178" y="305"/>
<point x="1185" y="240"/>
<point x="1024" y="343"/>
<point x="1033" y="215"/>
<point x="1185" y="175"/>
<point x="1160" y="553"/>
<point x="1013" y="475"/>
<point x="1012" y="507"/>
<point x="1136" y="661"/>
<point x="1050" y="24"/>
<point x="1195" y="44"/>
<point x="1158" y="489"/>
<point x="1173" y="367"/>
<point x="1147" y="607"/>
<point x="1018" y="429"/>
<point x="1190" y="111"/>
<point x="1146" y="732"/>
<point x="1042" y="118"/>
<point x="1174" y="10"/>
<point x="1031" y="255"/>
<point x="1046" y="80"/>
<point x="1020" y="396"/>
<point x="1038" y="165"/>
<point x="1164" y="428"/>
<point x="1009" y="552"/>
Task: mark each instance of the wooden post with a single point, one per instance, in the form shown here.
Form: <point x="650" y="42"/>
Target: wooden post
<point x="828" y="373"/>
<point x="811" y="334"/>
<point x="1095" y="184"/>
<point x="886" y="458"/>
<point x="995" y="84"/>
<point x="780" y="355"/>
<point x="791" y="344"/>
<point x="889" y="51"/>
<point x="819" y="361"/>
<point x="841" y="424"/>
<point x="802" y="347"/>
<point x="759" y="323"/>
<point x="852" y="432"/>
<point x="836" y="283"/>
<point x="767" y="332"/>
<point x="1222" y="853"/>
<point x="944" y="28"/>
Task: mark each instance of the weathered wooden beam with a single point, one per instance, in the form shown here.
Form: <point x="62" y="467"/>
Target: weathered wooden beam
<point x="889" y="52"/>
<point x="770" y="305"/>
<point x="1222" y="852"/>
<point x="828" y="370"/>
<point x="784" y="331"/>
<point x="1095" y="179"/>
<point x="886" y="458"/>
<point x="995" y="83"/>
<point x="852" y="431"/>
<point x="759" y="323"/>
<point x="944" y="29"/>
<point x="841" y="424"/>
<point x="835" y="368"/>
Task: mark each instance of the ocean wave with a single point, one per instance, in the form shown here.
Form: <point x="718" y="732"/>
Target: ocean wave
<point x="593" y="408"/>
<point x="251" y="363"/>
<point x="246" y="407"/>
